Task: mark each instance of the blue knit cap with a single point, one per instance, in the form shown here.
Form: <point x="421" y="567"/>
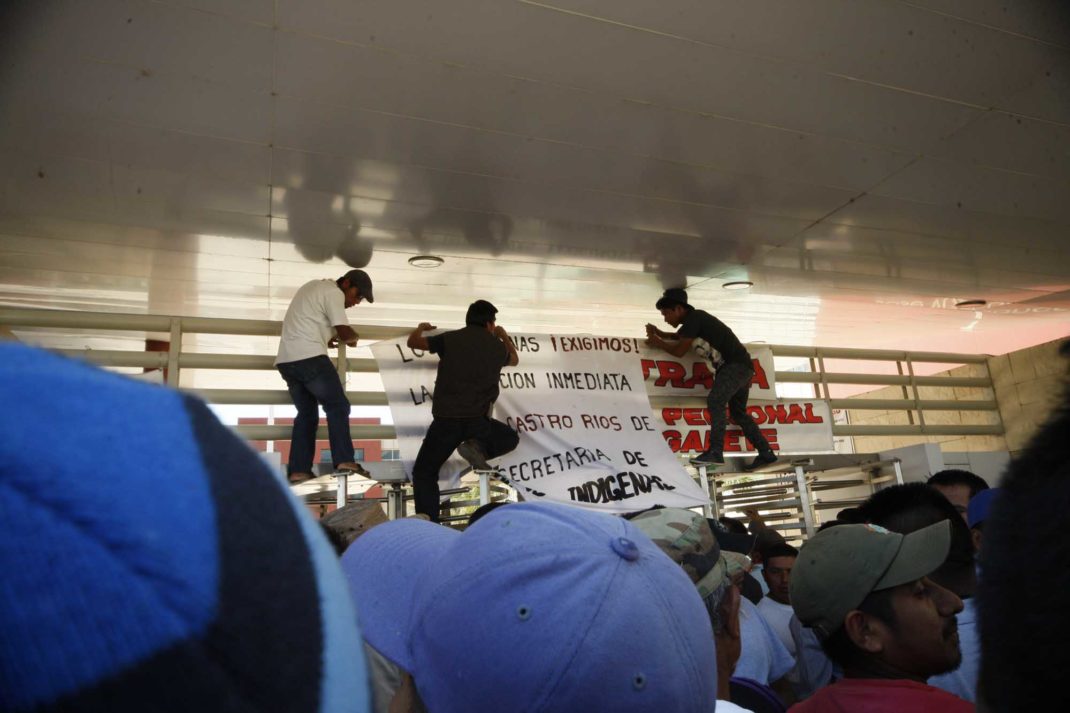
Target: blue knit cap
<point x="150" y="561"/>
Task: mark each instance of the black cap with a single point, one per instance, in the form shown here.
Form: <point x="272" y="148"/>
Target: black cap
<point x="731" y="541"/>
<point x="360" y="280"/>
<point x="672" y="297"/>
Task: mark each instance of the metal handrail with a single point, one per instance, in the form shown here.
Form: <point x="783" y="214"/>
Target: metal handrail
<point x="177" y="359"/>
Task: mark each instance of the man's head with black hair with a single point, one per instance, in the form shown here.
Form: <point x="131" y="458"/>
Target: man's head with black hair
<point x="910" y="507"/>
<point x="673" y="306"/>
<point x="851" y="516"/>
<point x="1024" y="620"/>
<point x="483" y="510"/>
<point x="958" y="486"/>
<point x="672" y="297"/>
<point x="480" y="314"/>
<point x="778" y="561"/>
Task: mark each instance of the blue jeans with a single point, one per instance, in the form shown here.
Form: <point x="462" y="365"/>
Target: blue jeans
<point x="313" y="382"/>
<point x="731" y="387"/>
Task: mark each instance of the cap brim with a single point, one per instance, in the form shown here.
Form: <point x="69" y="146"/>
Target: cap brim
<point x="383" y="568"/>
<point x="737" y="563"/>
<point x="713" y="579"/>
<point x="734" y="542"/>
<point x="920" y="553"/>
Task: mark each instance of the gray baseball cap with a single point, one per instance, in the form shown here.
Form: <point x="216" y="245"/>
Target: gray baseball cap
<point x="840" y="566"/>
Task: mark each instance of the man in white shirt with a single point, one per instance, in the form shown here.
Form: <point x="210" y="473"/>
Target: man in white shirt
<point x="316" y="320"/>
<point x="763" y="658"/>
<point x="775" y="608"/>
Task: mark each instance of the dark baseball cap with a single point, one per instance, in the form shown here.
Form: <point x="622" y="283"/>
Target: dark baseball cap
<point x="840" y="566"/>
<point x="731" y="541"/>
<point x="360" y="280"/>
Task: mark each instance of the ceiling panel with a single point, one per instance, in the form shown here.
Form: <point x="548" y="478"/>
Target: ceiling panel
<point x="866" y="163"/>
<point x="891" y="44"/>
<point x="258" y="11"/>
<point x="560" y="122"/>
<point x="1000" y="140"/>
<point x="510" y="38"/>
<point x="980" y="189"/>
<point x="132" y="145"/>
<point x="1044" y="20"/>
<point x="873" y="211"/>
<point x="156" y="38"/>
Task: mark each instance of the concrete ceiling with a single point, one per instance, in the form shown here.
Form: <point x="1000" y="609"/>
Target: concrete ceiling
<point x="866" y="164"/>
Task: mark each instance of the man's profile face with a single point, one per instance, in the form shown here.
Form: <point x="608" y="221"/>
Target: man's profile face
<point x="673" y="315"/>
<point x="777" y="573"/>
<point x="924" y="640"/>
<point x="957" y="495"/>
<point x="352" y="293"/>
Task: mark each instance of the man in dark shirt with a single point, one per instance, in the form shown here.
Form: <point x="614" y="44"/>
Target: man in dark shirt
<point x="466" y="386"/>
<point x="713" y="340"/>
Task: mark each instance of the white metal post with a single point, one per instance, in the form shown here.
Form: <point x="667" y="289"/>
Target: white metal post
<point x="484" y="486"/>
<point x="343" y="489"/>
<point x="173" y="350"/>
<point x="395" y="501"/>
<point x="804" y="500"/>
<point x="340" y="364"/>
<point x="708" y="510"/>
<point x="898" y="472"/>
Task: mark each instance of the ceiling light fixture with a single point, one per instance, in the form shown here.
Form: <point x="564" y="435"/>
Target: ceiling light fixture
<point x="966" y="304"/>
<point x="738" y="285"/>
<point x="426" y="261"/>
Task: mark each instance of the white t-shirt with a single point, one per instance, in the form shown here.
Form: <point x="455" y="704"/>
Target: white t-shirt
<point x="762" y="657"/>
<point x="756" y="572"/>
<point x="309" y="323"/>
<point x="779" y="618"/>
<point x="730" y="707"/>
<point x="813" y="669"/>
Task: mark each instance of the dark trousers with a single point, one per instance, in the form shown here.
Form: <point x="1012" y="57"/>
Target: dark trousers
<point x="443" y="437"/>
<point x="313" y="382"/>
<point x="731" y="387"/>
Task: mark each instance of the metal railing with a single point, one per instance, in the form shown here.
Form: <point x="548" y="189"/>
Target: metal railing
<point x="175" y="360"/>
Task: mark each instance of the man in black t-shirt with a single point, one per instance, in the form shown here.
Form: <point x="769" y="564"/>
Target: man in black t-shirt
<point x="713" y="340"/>
<point x="466" y="386"/>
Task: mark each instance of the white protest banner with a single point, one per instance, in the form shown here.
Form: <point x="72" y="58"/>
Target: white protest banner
<point x="791" y="427"/>
<point x="580" y="407"/>
<point x="692" y="375"/>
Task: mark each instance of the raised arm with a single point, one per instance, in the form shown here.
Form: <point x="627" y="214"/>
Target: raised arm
<point x="501" y="334"/>
<point x="417" y="340"/>
<point x="672" y="345"/>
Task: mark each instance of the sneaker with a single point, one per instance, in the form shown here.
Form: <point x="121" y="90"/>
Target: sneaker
<point x="355" y="468"/>
<point x="710" y="457"/>
<point x="298" y="478"/>
<point x="471" y="451"/>
<point x="761" y="459"/>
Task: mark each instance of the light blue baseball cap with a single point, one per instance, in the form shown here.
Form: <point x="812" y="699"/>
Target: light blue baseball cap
<point x="536" y="607"/>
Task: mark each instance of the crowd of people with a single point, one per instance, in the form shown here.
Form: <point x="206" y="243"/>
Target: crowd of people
<point x="213" y="588"/>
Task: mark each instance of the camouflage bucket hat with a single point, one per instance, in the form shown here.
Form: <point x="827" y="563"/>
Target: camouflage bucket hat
<point x="688" y="540"/>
